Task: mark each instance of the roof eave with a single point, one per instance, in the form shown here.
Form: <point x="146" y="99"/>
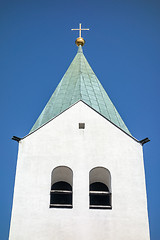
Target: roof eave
<point x="92" y="109"/>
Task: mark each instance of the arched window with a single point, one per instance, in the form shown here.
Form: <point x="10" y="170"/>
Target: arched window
<point x="100" y="188"/>
<point x="61" y="188"/>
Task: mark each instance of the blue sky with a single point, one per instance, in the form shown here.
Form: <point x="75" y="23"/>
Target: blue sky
<point x="123" y="49"/>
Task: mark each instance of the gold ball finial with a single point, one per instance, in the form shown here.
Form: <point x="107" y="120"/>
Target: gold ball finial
<point x="80" y="41"/>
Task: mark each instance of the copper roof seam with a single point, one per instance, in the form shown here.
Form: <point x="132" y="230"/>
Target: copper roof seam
<point x="101" y="87"/>
<point x="80" y="74"/>
<point x="91" y="84"/>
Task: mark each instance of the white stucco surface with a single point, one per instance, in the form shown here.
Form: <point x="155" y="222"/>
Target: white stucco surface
<point x="62" y="143"/>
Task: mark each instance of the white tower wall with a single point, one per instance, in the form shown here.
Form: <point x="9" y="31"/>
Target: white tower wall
<point x="61" y="143"/>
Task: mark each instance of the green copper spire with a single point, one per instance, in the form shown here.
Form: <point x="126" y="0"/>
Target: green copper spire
<point x="80" y="83"/>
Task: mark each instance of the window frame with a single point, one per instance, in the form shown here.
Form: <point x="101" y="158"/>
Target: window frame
<point x="61" y="174"/>
<point x="100" y="175"/>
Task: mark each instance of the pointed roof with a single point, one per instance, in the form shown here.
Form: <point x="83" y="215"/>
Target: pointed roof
<point x="80" y="83"/>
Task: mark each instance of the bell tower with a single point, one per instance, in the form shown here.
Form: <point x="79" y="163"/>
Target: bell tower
<point x="80" y="172"/>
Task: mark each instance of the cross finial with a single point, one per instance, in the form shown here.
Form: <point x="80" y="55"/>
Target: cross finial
<point x="80" y="40"/>
<point x="80" y="30"/>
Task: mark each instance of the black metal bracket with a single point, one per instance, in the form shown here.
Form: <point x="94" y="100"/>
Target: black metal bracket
<point x="145" y="140"/>
<point x="16" y="138"/>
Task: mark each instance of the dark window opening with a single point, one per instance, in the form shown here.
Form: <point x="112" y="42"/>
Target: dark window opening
<point x="61" y="186"/>
<point x="81" y="125"/>
<point x="61" y="195"/>
<point x="98" y="186"/>
<point x="100" y="196"/>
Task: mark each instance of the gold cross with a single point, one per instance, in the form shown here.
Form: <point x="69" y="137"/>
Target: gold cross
<point x="80" y="29"/>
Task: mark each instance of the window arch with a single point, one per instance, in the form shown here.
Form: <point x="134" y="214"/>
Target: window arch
<point x="61" y="187"/>
<point x="100" y="188"/>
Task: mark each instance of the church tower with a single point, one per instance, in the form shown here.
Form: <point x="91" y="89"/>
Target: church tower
<point x="80" y="172"/>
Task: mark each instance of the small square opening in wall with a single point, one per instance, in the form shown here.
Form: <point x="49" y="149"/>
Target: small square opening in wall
<point x="81" y="125"/>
